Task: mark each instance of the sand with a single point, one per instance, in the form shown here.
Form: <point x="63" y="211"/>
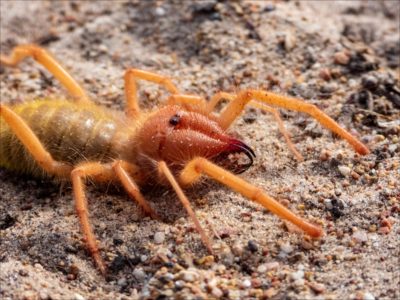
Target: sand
<point x="341" y="56"/>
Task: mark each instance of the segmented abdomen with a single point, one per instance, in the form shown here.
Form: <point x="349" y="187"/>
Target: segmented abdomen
<point x="71" y="133"/>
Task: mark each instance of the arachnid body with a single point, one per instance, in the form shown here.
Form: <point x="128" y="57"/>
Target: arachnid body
<point x="172" y="145"/>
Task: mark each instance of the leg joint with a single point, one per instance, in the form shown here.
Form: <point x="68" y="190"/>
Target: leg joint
<point x="81" y="211"/>
<point x="130" y="72"/>
<point x="37" y="52"/>
<point x="256" y="193"/>
<point x="78" y="172"/>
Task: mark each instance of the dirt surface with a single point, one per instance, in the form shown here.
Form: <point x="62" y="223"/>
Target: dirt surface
<point x="341" y="56"/>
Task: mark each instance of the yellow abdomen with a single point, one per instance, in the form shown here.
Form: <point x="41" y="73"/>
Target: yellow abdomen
<point x="71" y="133"/>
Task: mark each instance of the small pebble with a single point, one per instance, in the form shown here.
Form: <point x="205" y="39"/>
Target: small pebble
<point x="179" y="284"/>
<point x="325" y="74"/>
<point x="189" y="276"/>
<point x="344" y="170"/>
<point x="368" y="296"/>
<point x="122" y="281"/>
<point x="290" y="41"/>
<point x="306" y="245"/>
<point x="269" y="7"/>
<point x="355" y="175"/>
<point x="328" y="203"/>
<point x="299" y="282"/>
<point x="168" y="293"/>
<point x="271" y="292"/>
<point x="360" y="236"/>
<point x="159" y="11"/>
<point x="44" y="296"/>
<point x="103" y="48"/>
<point x="341" y="58"/>
<point x="325" y="155"/>
<point x="252" y="245"/>
<point x="216" y="292"/>
<point x="384" y="230"/>
<point x="272" y="265"/>
<point x="262" y="269"/>
<point x="246" y="284"/>
<point x="297" y="275"/>
<point x="159" y="237"/>
<point x="168" y="277"/>
<point x="328" y="88"/>
<point x="287" y="248"/>
<point x="139" y="274"/>
<point x="369" y="82"/>
<point x="29" y="295"/>
<point x="78" y="297"/>
<point x="256" y="283"/>
<point x="317" y="287"/>
<point x="237" y="249"/>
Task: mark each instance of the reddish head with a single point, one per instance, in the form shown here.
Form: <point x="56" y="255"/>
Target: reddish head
<point x="176" y="135"/>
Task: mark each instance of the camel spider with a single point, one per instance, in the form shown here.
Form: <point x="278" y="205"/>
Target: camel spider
<point x="173" y="144"/>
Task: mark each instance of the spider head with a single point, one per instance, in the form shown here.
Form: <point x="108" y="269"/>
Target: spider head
<point x="177" y="135"/>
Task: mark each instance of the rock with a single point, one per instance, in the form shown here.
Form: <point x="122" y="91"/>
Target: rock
<point x="78" y="297"/>
<point x="369" y="82"/>
<point x="252" y="245"/>
<point x="328" y="203"/>
<point x="139" y="274"/>
<point x="271" y="292"/>
<point x="287" y="248"/>
<point x="317" y="287"/>
<point x="341" y="58"/>
<point x="29" y="295"/>
<point x="216" y="292"/>
<point x="328" y="88"/>
<point x="325" y="74"/>
<point x="272" y="265"/>
<point x="245" y="284"/>
<point x="262" y="269"/>
<point x="297" y="275"/>
<point x="344" y="170"/>
<point x="289" y="41"/>
<point x="368" y="296"/>
<point x="189" y="276"/>
<point x="122" y="282"/>
<point x="159" y="237"/>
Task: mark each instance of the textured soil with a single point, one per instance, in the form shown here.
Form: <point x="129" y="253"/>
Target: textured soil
<point x="342" y="56"/>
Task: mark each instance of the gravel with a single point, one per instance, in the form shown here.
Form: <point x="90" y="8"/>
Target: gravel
<point x="341" y="57"/>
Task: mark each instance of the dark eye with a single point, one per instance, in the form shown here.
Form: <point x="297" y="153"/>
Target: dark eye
<point x="174" y="120"/>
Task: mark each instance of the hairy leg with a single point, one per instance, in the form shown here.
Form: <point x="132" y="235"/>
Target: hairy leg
<point x="131" y="75"/>
<point x="188" y="101"/>
<point x="223" y="95"/>
<point x="47" y="61"/>
<point x="28" y="138"/>
<point x="235" y="107"/>
<point x="164" y="170"/>
<point x="122" y="169"/>
<point x="98" y="172"/>
<point x="198" y="166"/>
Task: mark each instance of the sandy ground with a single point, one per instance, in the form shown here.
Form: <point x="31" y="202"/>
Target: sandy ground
<point x="342" y="56"/>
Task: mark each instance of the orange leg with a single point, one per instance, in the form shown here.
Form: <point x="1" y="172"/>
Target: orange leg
<point x="234" y="108"/>
<point x="122" y="169"/>
<point x="223" y="95"/>
<point x="197" y="166"/>
<point x="165" y="171"/>
<point x="47" y="61"/>
<point x="188" y="101"/>
<point x="217" y="98"/>
<point x="131" y="76"/>
<point x="98" y="172"/>
<point x="28" y="138"/>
